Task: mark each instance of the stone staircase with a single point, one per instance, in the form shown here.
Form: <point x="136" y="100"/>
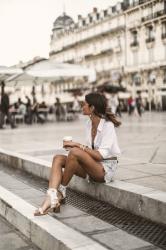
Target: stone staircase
<point x="72" y="228"/>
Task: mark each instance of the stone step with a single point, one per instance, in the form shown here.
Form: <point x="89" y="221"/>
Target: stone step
<point x="12" y="239"/>
<point x="45" y="232"/>
<point x="70" y="229"/>
<point x="145" y="202"/>
<point x="76" y="229"/>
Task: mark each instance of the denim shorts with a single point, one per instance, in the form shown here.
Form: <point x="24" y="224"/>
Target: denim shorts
<point x="110" y="167"/>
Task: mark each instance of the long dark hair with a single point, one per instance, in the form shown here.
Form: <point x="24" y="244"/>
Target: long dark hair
<point x="99" y="102"/>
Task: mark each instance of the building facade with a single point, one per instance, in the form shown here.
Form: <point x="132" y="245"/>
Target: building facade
<point x="126" y="44"/>
<point x="145" y="67"/>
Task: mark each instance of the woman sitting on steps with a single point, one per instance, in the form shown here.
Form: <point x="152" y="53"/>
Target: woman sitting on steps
<point x="97" y="161"/>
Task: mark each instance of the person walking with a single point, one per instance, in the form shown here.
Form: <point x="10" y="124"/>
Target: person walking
<point x="131" y="105"/>
<point x="139" y="105"/>
<point x="113" y="103"/>
<point x="75" y="108"/>
<point x="4" y="110"/>
<point x="28" y="116"/>
<point x="119" y="109"/>
<point x="59" y="110"/>
<point x="95" y="161"/>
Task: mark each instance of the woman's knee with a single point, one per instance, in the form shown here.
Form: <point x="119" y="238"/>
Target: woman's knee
<point x="75" y="152"/>
<point x="60" y="159"/>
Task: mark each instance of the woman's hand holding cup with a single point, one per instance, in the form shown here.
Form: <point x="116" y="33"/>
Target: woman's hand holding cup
<point x="67" y="142"/>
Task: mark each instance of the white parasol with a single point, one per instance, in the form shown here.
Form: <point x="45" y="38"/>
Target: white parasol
<point x="5" y="72"/>
<point x="50" y="70"/>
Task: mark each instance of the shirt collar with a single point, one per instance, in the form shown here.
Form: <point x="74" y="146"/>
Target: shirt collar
<point x="101" y="124"/>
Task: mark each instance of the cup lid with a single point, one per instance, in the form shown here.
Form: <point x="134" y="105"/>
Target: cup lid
<point x="67" y="138"/>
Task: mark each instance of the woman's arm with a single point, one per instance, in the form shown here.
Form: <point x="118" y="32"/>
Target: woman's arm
<point x="93" y="153"/>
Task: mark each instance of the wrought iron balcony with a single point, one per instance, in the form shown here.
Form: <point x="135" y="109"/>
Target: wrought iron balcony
<point x="134" y="44"/>
<point x="163" y="36"/>
<point x="150" y="39"/>
<point x="153" y="15"/>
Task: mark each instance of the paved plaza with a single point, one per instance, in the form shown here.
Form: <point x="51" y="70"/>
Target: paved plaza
<point x="143" y="162"/>
<point x="142" y="141"/>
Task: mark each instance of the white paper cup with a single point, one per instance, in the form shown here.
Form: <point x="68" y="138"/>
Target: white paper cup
<point x="67" y="139"/>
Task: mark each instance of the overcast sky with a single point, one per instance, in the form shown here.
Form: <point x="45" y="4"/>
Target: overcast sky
<point x="25" y="25"/>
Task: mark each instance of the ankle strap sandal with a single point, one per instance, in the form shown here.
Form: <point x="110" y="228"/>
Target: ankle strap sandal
<point x="62" y="189"/>
<point x="53" y="194"/>
<point x="54" y="203"/>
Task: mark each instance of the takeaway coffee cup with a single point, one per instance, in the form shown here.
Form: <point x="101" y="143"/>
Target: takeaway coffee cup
<point x="67" y="139"/>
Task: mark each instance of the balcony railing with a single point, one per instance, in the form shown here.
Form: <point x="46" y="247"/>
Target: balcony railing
<point x="153" y="15"/>
<point x="163" y="36"/>
<point x="108" y="50"/>
<point x="134" y="44"/>
<point x="150" y="39"/>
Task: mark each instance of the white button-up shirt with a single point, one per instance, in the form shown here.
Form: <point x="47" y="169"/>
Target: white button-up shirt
<point x="105" y="140"/>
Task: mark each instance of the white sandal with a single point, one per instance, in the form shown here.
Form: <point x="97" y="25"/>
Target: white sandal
<point x="62" y="190"/>
<point x="54" y="206"/>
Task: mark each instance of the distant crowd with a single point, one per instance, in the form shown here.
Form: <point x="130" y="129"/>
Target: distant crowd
<point x="132" y="106"/>
<point x="30" y="112"/>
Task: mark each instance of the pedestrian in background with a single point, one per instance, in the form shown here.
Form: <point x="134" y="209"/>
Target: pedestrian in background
<point x="113" y="103"/>
<point x="131" y="105"/>
<point x="59" y="110"/>
<point x="5" y="110"/>
<point x="28" y="116"/>
<point x="139" y="105"/>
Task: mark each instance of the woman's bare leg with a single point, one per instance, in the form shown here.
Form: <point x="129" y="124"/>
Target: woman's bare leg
<point x="77" y="163"/>
<point x="80" y="163"/>
<point x="56" y="171"/>
<point x="72" y="167"/>
<point x="55" y="176"/>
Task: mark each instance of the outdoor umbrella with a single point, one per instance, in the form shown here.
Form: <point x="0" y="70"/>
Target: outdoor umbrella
<point x="50" y="70"/>
<point x="109" y="88"/>
<point x="77" y="91"/>
<point x="5" y="72"/>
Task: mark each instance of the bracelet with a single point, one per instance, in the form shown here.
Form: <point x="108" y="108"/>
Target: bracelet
<point x="83" y="147"/>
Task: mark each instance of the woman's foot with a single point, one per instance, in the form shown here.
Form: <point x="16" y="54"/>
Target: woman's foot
<point x="50" y="204"/>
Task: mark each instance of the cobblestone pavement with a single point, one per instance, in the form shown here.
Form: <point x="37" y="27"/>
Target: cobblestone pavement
<point x="142" y="140"/>
<point x="11" y="239"/>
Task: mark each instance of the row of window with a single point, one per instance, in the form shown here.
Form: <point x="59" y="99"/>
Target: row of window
<point x="150" y="34"/>
<point x="123" y="6"/>
<point x="136" y="78"/>
<point x="98" y="16"/>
